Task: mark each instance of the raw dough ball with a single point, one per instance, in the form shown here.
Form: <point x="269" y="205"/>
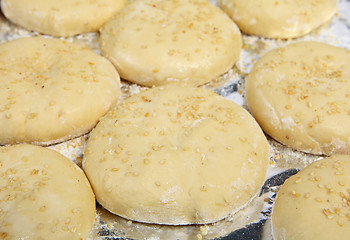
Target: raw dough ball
<point x="158" y="42"/>
<point x="173" y="155"/>
<point x="300" y="96"/>
<point x="52" y="90"/>
<point x="279" y="18"/>
<point x="43" y="195"/>
<point x="61" y="18"/>
<point x="314" y="204"/>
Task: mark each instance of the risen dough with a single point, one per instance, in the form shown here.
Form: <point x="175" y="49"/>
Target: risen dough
<point x="43" y="195"/>
<point x="314" y="204"/>
<point x="52" y="90"/>
<point x="279" y="18"/>
<point x="158" y="42"/>
<point x="61" y="18"/>
<point x="300" y="95"/>
<point x="174" y="155"/>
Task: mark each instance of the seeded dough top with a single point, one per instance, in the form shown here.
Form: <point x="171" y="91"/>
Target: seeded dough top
<point x="279" y="19"/>
<point x="314" y="204"/>
<point x="43" y="195"/>
<point x="52" y="90"/>
<point x="61" y="18"/>
<point x="173" y="155"/>
<point x="300" y="95"/>
<point x="159" y="42"/>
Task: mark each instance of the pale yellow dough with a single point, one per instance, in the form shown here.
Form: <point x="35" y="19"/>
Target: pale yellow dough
<point x="279" y="18"/>
<point x="314" y="203"/>
<point x="43" y="195"/>
<point x="173" y="155"/>
<point x="52" y="90"/>
<point x="63" y="17"/>
<point x="159" y="42"/>
<point x="300" y="96"/>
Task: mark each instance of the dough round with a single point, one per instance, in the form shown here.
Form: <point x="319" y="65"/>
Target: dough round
<point x="314" y="203"/>
<point x="173" y="155"/>
<point x="43" y="195"/>
<point x="61" y="18"/>
<point x="279" y="18"/>
<point x="159" y="42"/>
<point x="52" y="90"/>
<point x="300" y="96"/>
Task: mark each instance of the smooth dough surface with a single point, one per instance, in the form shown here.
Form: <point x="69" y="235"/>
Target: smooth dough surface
<point x="43" y="195"/>
<point x="52" y="90"/>
<point x="300" y="96"/>
<point x="61" y="18"/>
<point x="314" y="203"/>
<point x="159" y="42"/>
<point x="173" y="155"/>
<point x="279" y="18"/>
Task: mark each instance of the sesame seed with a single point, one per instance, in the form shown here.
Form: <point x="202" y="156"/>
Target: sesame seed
<point x="65" y="228"/>
<point x="67" y="221"/>
<point x="297" y="181"/>
<point x="73" y="229"/>
<point x="42" y="209"/>
<point x="340" y="223"/>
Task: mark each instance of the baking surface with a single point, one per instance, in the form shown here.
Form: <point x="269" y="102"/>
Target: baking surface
<point x="253" y="221"/>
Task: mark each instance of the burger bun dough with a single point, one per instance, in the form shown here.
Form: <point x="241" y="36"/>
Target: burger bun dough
<point x="43" y="195"/>
<point x="174" y="155"/>
<point x="279" y="19"/>
<point x="61" y="18"/>
<point x="314" y="203"/>
<point x="299" y="94"/>
<point x="52" y="90"/>
<point x="178" y="42"/>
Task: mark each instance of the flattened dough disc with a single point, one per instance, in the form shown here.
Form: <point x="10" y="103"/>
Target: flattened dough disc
<point x="173" y="155"/>
<point x="300" y="95"/>
<point x="43" y="195"/>
<point x="52" y="90"/>
<point x="279" y="18"/>
<point x="63" y="17"/>
<point x="160" y="42"/>
<point x="314" y="203"/>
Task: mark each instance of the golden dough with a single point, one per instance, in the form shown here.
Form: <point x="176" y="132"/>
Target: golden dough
<point x="314" y="203"/>
<point x="279" y="18"/>
<point x="52" y="90"/>
<point x="173" y="155"/>
<point x="63" y="17"/>
<point x="160" y="42"/>
<point x="299" y="94"/>
<point x="43" y="195"/>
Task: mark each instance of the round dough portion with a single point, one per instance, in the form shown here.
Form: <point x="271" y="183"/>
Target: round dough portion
<point x="173" y="155"/>
<point x="279" y="19"/>
<point x="300" y="95"/>
<point x="314" y="203"/>
<point x="160" y="42"/>
<point x="43" y="195"/>
<point x="61" y="18"/>
<point x="52" y="90"/>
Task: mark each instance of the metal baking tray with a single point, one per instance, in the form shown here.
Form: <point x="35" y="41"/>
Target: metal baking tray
<point x="253" y="222"/>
